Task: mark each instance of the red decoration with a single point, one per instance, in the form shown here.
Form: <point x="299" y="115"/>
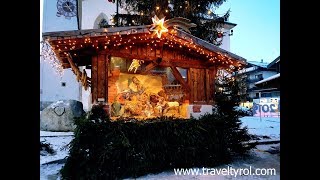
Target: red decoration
<point x="196" y="108"/>
<point x="220" y="34"/>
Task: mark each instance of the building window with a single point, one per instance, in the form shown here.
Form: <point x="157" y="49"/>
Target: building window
<point x="257" y="95"/>
<point x="63" y="84"/>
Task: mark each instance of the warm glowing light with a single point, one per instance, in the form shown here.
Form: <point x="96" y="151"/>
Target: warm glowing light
<point x="48" y="55"/>
<point x="158" y="26"/>
<point x="157" y="7"/>
<point x="135" y="65"/>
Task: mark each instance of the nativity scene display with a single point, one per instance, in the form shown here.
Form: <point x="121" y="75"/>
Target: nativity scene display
<point x="142" y="71"/>
<point x="144" y="95"/>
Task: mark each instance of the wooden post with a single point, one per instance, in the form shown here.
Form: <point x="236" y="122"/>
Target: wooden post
<point x="107" y="59"/>
<point x="190" y="82"/>
<point x="208" y="86"/>
<point x="94" y="79"/>
<point x="101" y="78"/>
<point x="195" y="84"/>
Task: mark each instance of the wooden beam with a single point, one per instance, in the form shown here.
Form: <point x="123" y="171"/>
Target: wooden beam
<point x="117" y="53"/>
<point x="107" y="59"/>
<point x="178" y="76"/>
<point x="94" y="79"/>
<point x="149" y="67"/>
<point x="101" y="77"/>
<point x="183" y="64"/>
<point x="166" y="62"/>
<point x="178" y="61"/>
<point x="190" y="83"/>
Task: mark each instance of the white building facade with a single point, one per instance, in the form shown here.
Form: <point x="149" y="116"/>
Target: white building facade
<point x="54" y="87"/>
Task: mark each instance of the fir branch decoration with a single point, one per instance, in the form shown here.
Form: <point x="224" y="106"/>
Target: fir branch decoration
<point x="208" y="24"/>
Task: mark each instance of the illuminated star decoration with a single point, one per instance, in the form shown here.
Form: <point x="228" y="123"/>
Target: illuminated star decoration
<point x="158" y="26"/>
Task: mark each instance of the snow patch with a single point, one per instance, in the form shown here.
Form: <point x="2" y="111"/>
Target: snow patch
<point x="53" y="105"/>
<point x="266" y="126"/>
<point x="49" y="133"/>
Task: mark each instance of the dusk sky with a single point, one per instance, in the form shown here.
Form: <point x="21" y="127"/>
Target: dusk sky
<point x="257" y="34"/>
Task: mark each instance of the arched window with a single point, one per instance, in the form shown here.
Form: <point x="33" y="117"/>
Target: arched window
<point x="101" y="21"/>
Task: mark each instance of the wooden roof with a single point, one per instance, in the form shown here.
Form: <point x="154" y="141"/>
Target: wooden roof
<point x="82" y="44"/>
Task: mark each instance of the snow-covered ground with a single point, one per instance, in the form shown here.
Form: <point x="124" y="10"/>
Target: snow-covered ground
<point x="260" y="158"/>
<point x="266" y="126"/>
<point x="59" y="144"/>
<point x="51" y="134"/>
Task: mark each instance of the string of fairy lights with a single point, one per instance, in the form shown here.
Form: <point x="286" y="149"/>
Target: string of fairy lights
<point x="48" y="55"/>
<point x="128" y="38"/>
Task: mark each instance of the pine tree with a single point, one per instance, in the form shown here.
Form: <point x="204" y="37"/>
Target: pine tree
<point x="199" y="12"/>
<point x="227" y="98"/>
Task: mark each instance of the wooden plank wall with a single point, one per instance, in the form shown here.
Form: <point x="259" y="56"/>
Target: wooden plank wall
<point x="202" y="84"/>
<point x="99" y="76"/>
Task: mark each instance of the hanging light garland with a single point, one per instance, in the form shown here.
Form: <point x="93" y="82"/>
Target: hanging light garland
<point x="161" y="32"/>
<point x="48" y="55"/>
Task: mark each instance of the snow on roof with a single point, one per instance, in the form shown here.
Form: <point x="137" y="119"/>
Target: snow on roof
<point x="274" y="62"/>
<point x="245" y="70"/>
<point x="256" y="63"/>
<point x="268" y="79"/>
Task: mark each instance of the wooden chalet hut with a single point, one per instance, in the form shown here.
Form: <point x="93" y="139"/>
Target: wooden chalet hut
<point x="144" y="71"/>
